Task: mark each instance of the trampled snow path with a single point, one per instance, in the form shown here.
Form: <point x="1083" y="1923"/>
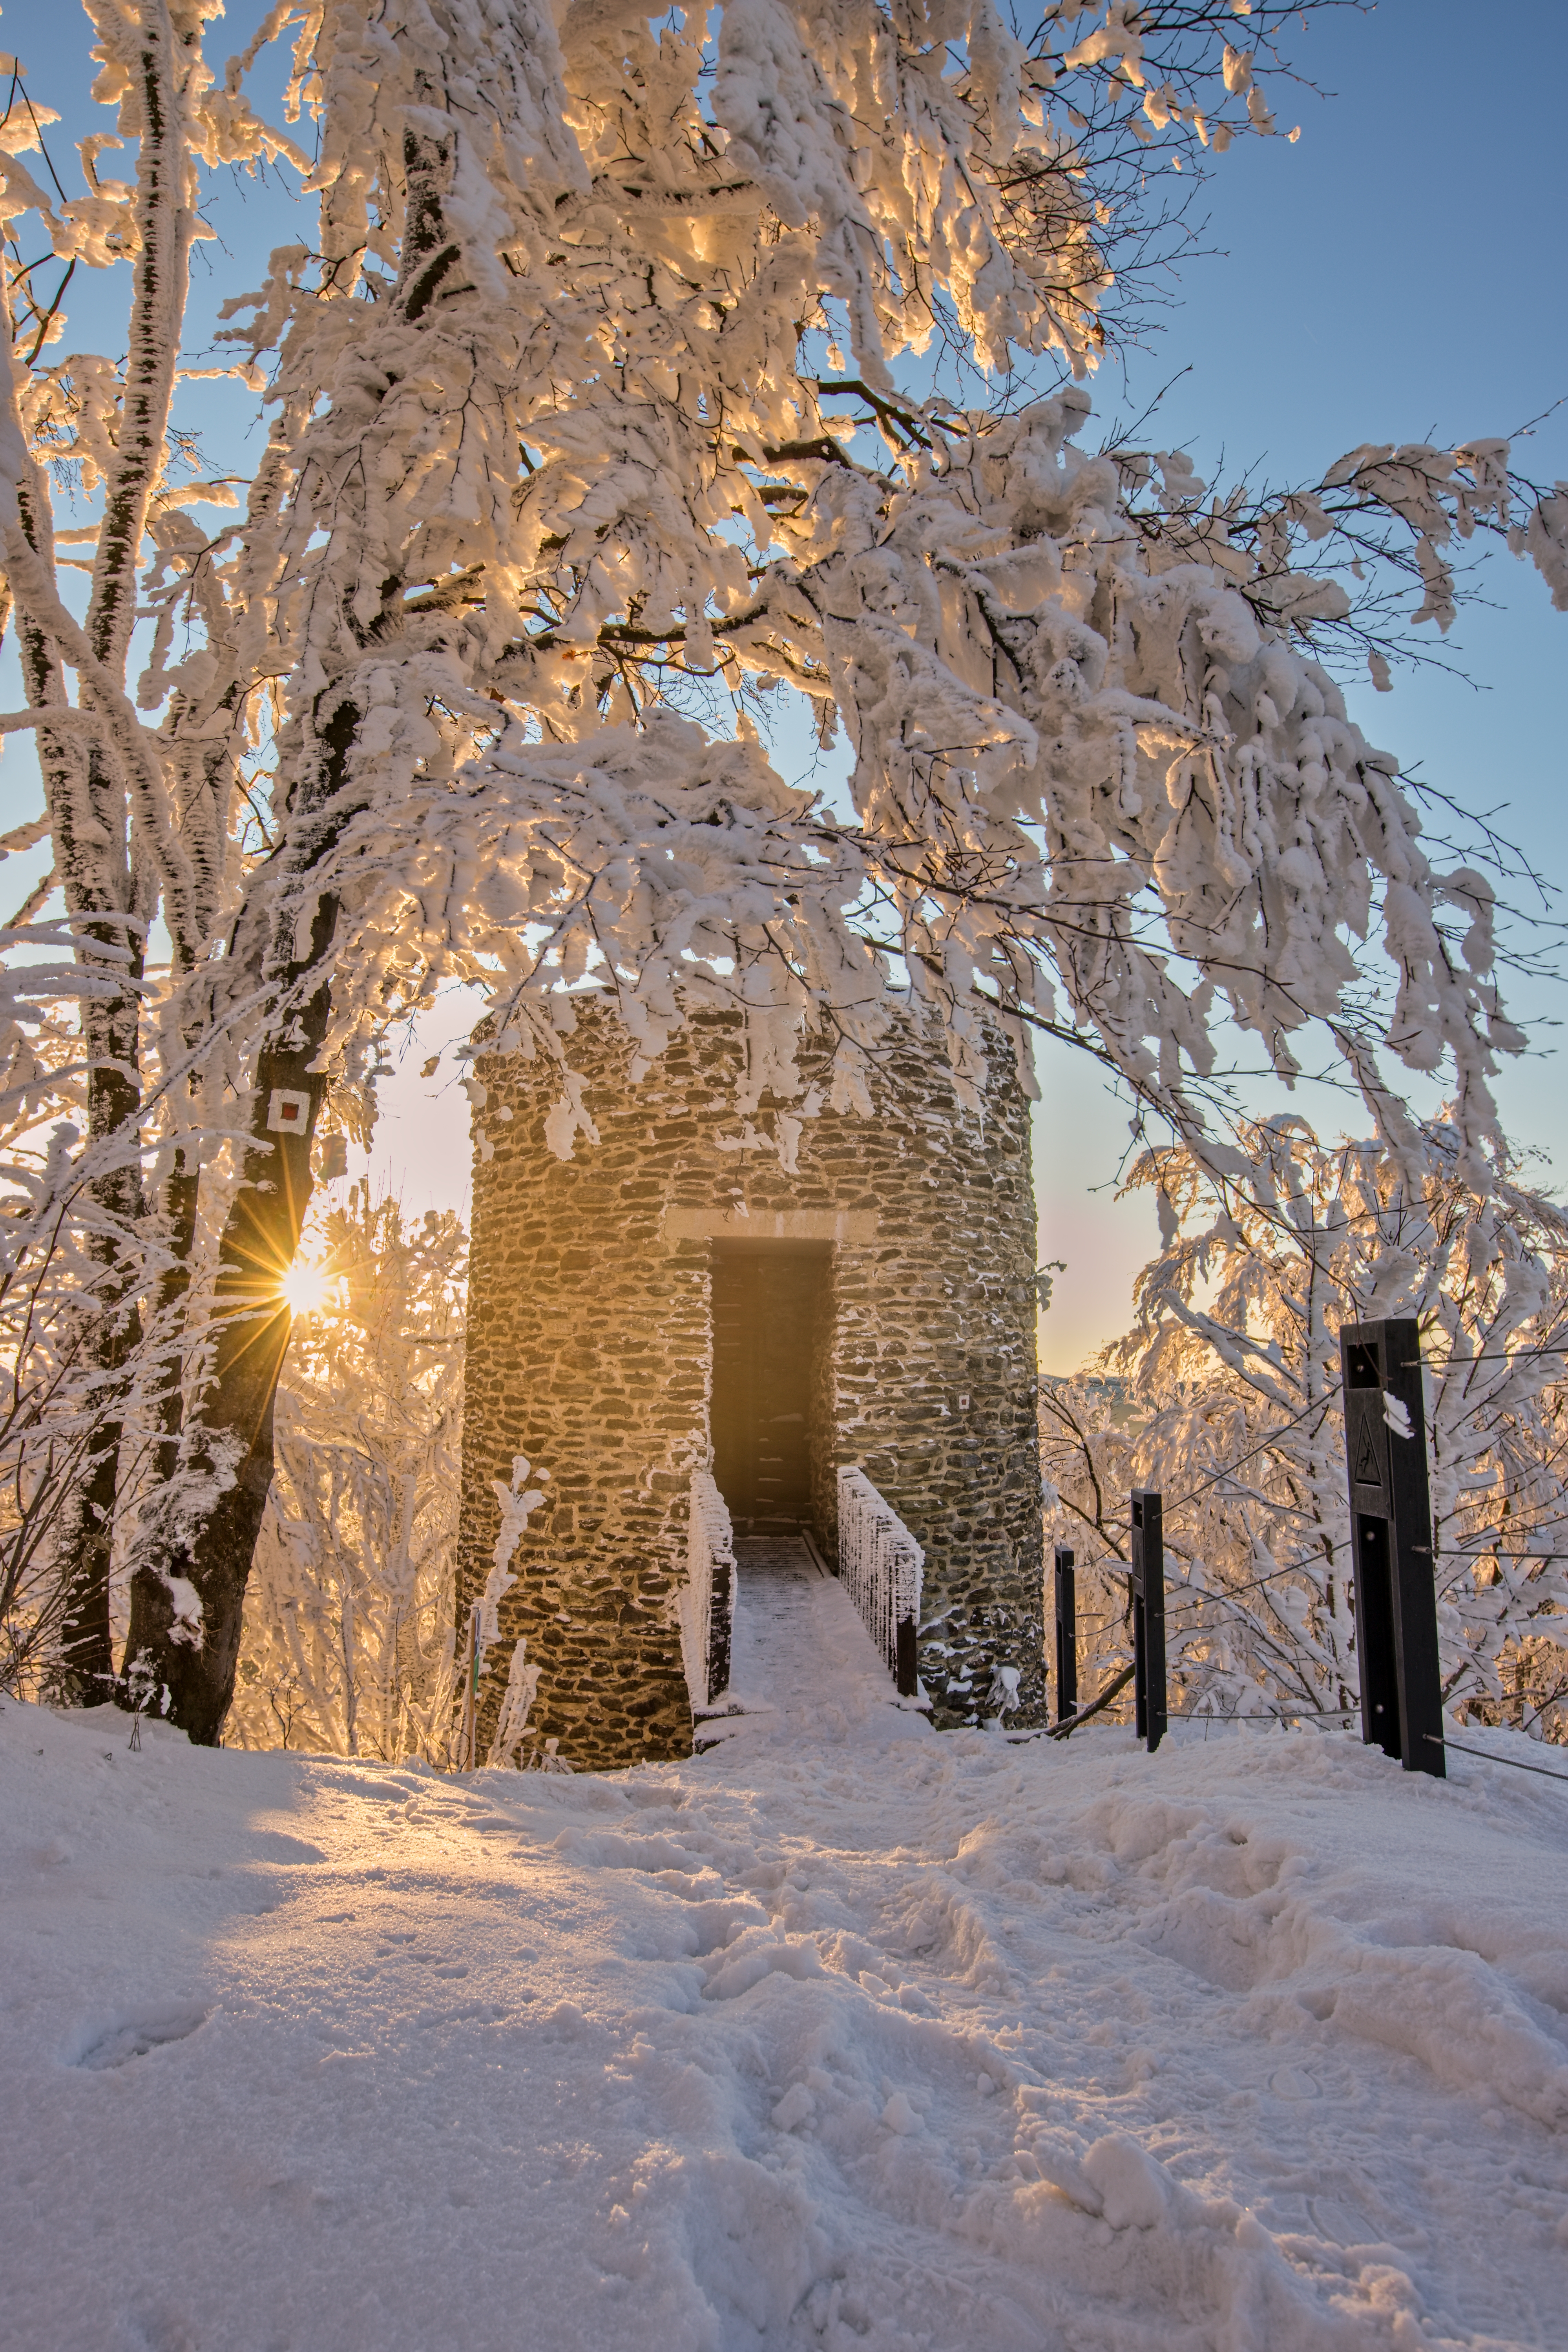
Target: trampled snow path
<point x="836" y="2037"/>
<point x="800" y="1652"/>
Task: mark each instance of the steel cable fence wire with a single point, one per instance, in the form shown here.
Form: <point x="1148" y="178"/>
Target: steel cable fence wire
<point x="1193" y="1599"/>
<point x="1181" y="1594"/>
<point x="1441" y="1739"/>
<point x="1257" y="1715"/>
<point x="1208" y="1715"/>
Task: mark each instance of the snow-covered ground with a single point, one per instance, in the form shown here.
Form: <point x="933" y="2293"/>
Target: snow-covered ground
<point x="846" y="2034"/>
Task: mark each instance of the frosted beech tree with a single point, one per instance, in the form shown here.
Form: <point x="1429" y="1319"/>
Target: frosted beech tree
<point x="634" y="372"/>
<point x="1226" y="1395"/>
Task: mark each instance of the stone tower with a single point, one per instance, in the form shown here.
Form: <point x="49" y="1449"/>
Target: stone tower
<point x="772" y="1297"/>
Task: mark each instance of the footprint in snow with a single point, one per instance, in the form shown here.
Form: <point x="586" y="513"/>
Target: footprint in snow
<point x="1342" y="2224"/>
<point x="116" y="2045"/>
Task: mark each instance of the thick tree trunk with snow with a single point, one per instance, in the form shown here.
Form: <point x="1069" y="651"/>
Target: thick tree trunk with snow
<point x="187" y="1590"/>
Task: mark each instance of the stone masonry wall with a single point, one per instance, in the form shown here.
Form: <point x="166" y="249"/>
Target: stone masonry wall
<point x="590" y="1351"/>
<point x="933" y="1368"/>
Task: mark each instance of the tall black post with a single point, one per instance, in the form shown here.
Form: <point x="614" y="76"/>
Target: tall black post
<point x="906" y="1665"/>
<point x="1391" y="1543"/>
<point x="1067" y="1634"/>
<point x="1146" y="1588"/>
<point x="720" y="1627"/>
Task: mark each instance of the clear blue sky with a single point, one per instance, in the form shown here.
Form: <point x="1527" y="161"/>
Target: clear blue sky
<point x="1396" y="274"/>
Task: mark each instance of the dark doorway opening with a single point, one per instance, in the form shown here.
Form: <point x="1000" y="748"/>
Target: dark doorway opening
<point x="769" y="1311"/>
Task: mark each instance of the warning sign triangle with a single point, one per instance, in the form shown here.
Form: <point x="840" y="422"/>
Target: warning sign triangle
<point x="1365" y="1471"/>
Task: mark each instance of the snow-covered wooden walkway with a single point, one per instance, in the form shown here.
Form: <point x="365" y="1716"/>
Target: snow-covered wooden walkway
<point x="802" y="1663"/>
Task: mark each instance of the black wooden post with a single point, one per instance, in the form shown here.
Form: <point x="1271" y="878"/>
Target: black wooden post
<point x="1146" y="1587"/>
<point x="906" y="1664"/>
<point x="1391" y="1543"/>
<point x="720" y="1626"/>
<point x="1067" y="1634"/>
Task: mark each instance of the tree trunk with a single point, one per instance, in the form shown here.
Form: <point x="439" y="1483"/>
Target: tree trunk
<point x="84" y="1672"/>
<point x="212" y="1515"/>
<point x="90" y="822"/>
